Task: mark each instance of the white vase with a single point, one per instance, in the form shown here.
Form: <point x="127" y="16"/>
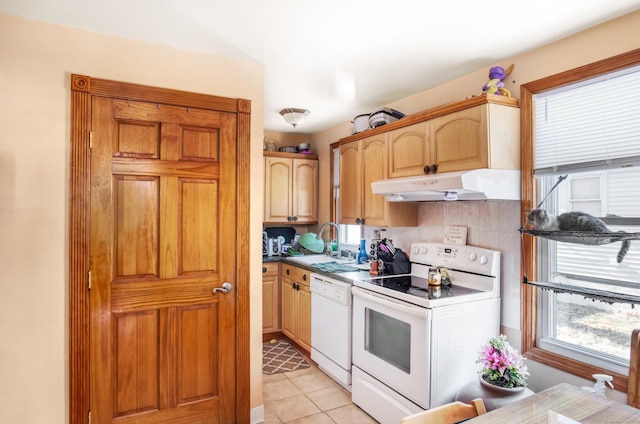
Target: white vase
<point x="505" y="390"/>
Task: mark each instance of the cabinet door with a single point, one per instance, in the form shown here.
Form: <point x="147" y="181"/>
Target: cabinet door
<point x="288" y="303"/>
<point x="350" y="183"/>
<point x="374" y="164"/>
<point x="304" y="317"/>
<point x="409" y="150"/>
<point x="305" y="191"/>
<point x="460" y="140"/>
<point x="270" y="298"/>
<point x="278" y="189"/>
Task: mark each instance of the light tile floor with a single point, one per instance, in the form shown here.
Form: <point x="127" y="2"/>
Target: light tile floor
<point x="309" y="396"/>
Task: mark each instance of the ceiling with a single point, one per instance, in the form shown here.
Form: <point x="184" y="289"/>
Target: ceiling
<point x="337" y="58"/>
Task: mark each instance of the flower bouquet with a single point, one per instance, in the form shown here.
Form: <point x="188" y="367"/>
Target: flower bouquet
<point x="502" y="365"/>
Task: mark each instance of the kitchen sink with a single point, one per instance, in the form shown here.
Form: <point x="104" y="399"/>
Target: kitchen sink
<point x="310" y="260"/>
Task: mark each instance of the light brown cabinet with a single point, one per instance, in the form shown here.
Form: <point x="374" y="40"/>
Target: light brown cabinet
<point x="291" y="188"/>
<point x="296" y="304"/>
<point x="485" y="136"/>
<point x="361" y="163"/>
<point x="270" y="297"/>
<point x="480" y="132"/>
<point x="410" y="150"/>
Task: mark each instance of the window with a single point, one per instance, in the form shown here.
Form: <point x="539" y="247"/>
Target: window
<point x="583" y="138"/>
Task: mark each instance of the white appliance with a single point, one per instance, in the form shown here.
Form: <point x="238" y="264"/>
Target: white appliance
<point x="265" y="241"/>
<point x="415" y="345"/>
<point x="478" y="184"/>
<point x="331" y="327"/>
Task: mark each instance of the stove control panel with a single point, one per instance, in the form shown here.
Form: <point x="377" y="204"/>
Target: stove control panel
<point x="463" y="258"/>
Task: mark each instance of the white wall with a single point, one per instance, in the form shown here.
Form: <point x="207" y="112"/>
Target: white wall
<point x="37" y="60"/>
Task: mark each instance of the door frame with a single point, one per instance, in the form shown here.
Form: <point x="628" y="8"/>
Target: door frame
<point x="83" y="88"/>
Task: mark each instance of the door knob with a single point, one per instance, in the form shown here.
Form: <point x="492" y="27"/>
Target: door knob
<point x="225" y="288"/>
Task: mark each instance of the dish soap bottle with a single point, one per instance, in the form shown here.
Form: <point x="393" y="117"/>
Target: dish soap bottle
<point x="362" y="254"/>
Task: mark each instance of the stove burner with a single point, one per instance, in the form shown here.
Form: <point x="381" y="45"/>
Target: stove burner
<point x="419" y="287"/>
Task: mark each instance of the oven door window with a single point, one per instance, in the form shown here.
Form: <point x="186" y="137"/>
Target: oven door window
<point x="389" y="339"/>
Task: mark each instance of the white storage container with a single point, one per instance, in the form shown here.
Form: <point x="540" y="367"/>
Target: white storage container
<point x="384" y="116"/>
<point x="360" y="123"/>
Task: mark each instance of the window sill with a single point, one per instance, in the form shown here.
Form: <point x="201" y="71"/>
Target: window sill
<point x="574" y="367"/>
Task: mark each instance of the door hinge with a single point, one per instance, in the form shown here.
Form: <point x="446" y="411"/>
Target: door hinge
<point x="89" y="280"/>
<point x="90" y="139"/>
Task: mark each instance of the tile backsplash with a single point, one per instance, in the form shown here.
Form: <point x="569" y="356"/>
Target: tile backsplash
<point x="491" y="224"/>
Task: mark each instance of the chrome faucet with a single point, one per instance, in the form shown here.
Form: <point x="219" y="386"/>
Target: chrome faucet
<point x="319" y="236"/>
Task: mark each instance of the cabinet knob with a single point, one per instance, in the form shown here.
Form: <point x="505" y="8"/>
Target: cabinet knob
<point x="289" y="219"/>
<point x="430" y="169"/>
<point x="288" y="271"/>
<point x="304" y="277"/>
<point x="264" y="269"/>
<point x="358" y="221"/>
<point x="295" y="218"/>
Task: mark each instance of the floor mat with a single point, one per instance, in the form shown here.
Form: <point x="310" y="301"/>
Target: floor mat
<point x="281" y="357"/>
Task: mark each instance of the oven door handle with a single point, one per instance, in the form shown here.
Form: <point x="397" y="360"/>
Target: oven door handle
<point x="398" y="305"/>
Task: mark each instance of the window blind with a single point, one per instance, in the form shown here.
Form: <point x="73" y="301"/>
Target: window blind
<point x="590" y="126"/>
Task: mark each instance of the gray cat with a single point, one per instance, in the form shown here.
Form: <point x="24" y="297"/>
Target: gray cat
<point x="539" y="219"/>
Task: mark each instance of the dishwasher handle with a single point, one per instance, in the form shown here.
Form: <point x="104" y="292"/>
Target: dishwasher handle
<point x="400" y="306"/>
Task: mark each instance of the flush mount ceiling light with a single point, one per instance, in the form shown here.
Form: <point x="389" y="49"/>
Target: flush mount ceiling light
<point x="294" y="116"/>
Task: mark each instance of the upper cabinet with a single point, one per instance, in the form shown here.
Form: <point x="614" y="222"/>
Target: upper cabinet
<point x="409" y="150"/>
<point x="485" y="136"/>
<point x="480" y="132"/>
<point x="291" y="188"/>
<point x="361" y="163"/>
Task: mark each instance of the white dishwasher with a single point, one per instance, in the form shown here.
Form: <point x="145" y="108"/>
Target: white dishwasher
<point x="331" y="327"/>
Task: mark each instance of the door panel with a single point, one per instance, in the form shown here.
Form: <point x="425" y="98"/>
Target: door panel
<point x="162" y="344"/>
<point x="137" y="207"/>
<point x="137" y="357"/>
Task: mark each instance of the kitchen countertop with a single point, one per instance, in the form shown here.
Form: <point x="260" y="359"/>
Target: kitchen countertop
<point x="347" y="277"/>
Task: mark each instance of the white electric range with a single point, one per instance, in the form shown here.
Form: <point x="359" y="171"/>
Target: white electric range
<point x="415" y="345"/>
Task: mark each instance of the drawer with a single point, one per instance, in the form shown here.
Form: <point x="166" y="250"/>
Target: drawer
<point x="270" y="269"/>
<point x="299" y="275"/>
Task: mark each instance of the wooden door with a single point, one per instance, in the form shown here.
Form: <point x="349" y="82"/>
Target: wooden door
<point x="270" y="298"/>
<point x="304" y="315"/>
<point x="350" y="184"/>
<point x="163" y="235"/>
<point x="304" y="205"/>
<point x="277" y="186"/>
<point x="460" y="140"/>
<point x="288" y="305"/>
<point x="409" y="150"/>
<point x="374" y="164"/>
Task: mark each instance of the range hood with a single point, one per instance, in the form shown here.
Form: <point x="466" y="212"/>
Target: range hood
<point x="478" y="184"/>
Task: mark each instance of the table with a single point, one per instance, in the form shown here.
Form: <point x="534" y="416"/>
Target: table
<point x="561" y="404"/>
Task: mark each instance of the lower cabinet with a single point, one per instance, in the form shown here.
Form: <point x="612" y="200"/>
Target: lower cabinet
<point x="296" y="304"/>
<point x="270" y="297"/>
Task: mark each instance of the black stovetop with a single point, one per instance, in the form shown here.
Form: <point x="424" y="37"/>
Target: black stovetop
<point x="419" y="287"/>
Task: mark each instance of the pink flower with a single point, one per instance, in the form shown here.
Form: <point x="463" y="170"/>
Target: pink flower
<point x="502" y="365"/>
